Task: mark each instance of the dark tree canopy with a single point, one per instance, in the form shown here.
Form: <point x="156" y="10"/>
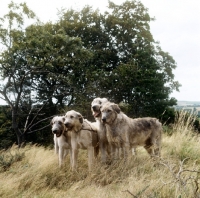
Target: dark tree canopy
<point x="128" y="65"/>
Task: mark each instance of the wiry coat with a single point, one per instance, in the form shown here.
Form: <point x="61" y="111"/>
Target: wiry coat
<point x="126" y="132"/>
<point x="101" y="129"/>
<point x="62" y="139"/>
<point x="83" y="136"/>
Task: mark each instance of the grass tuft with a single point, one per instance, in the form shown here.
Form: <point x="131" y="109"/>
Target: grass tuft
<point x="9" y="157"/>
<point x="33" y="171"/>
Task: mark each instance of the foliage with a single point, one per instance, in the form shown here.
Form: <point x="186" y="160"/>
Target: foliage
<point x="6" y="136"/>
<point x="63" y="59"/>
<point x="127" y="64"/>
<point x="15" y="72"/>
<point x="35" y="65"/>
<point x="48" y="68"/>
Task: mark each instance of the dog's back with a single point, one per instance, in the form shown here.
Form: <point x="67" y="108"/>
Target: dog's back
<point x="142" y="129"/>
<point x="127" y="132"/>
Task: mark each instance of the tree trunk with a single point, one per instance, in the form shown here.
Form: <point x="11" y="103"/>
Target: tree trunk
<point x="15" y="127"/>
<point x="20" y="138"/>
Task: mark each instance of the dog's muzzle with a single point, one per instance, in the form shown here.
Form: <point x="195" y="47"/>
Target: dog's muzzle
<point x="68" y="125"/>
<point x="103" y="120"/>
<point x="57" y="133"/>
<point x="95" y="108"/>
<point x="96" y="111"/>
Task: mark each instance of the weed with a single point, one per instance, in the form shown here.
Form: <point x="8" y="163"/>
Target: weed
<point x="7" y="158"/>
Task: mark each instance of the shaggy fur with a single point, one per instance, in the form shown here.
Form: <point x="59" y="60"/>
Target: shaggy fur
<point x="127" y="133"/>
<point x="62" y="139"/>
<point x="101" y="129"/>
<point x="83" y="136"/>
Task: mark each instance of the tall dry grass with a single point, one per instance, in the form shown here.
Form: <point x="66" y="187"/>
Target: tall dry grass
<point x="33" y="171"/>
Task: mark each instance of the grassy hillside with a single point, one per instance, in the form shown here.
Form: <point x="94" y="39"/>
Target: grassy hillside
<point x="33" y="172"/>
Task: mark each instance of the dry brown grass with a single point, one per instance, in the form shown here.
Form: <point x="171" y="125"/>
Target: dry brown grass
<point x="36" y="174"/>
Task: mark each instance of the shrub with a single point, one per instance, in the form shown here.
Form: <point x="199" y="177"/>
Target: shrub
<point x="7" y="158"/>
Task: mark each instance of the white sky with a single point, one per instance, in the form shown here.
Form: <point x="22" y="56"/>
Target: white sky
<point x="177" y="28"/>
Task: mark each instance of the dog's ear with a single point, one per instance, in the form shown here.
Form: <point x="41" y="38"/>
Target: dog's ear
<point x="104" y="100"/>
<point x="80" y="118"/>
<point x="116" y="108"/>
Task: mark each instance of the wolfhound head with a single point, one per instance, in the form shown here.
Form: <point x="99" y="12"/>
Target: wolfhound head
<point x="96" y="105"/>
<point x="109" y="112"/>
<point x="73" y="120"/>
<point x="58" y="126"/>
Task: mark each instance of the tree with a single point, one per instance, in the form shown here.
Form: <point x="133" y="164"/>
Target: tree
<point x="64" y="60"/>
<point x="15" y="80"/>
<point x="35" y="64"/>
<point x="131" y="67"/>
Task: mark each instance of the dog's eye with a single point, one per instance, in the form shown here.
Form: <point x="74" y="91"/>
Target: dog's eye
<point x="100" y="102"/>
<point x="60" y="122"/>
<point x="71" y="117"/>
<point x="108" y="110"/>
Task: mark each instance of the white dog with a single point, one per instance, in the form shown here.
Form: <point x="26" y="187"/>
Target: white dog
<point x="127" y="133"/>
<point x="101" y="129"/>
<point x="83" y="136"/>
<point x="62" y="139"/>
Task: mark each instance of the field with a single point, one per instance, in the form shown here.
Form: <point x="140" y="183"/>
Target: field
<point x="33" y="172"/>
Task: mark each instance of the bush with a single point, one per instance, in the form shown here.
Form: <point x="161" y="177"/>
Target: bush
<point x="7" y="158"/>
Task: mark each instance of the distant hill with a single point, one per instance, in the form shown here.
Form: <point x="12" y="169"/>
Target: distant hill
<point x="188" y="103"/>
<point x="189" y="106"/>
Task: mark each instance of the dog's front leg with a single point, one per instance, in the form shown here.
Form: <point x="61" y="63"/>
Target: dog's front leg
<point x="61" y="156"/>
<point x="103" y="148"/>
<point x="70" y="150"/>
<point x="56" y="148"/>
<point x="90" y="157"/>
<point x="74" y="159"/>
<point x="114" y="151"/>
<point x="74" y="146"/>
<point x="126" y="150"/>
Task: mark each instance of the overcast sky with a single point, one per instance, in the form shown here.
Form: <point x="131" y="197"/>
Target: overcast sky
<point x="177" y="28"/>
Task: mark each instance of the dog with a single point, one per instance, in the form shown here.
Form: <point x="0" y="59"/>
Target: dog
<point x="101" y="129"/>
<point x="127" y="133"/>
<point x="105" y="148"/>
<point x="62" y="139"/>
<point x="83" y="136"/>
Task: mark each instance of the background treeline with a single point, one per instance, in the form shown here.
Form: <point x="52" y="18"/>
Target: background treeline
<point x="48" y="68"/>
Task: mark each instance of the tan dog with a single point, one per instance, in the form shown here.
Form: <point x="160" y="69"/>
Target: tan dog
<point x="62" y="139"/>
<point x="127" y="133"/>
<point x="101" y="129"/>
<point x="83" y="136"/>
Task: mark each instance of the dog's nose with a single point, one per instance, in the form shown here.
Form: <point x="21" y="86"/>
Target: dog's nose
<point x="103" y="120"/>
<point x="66" y="124"/>
<point x="95" y="107"/>
<point x="54" y="131"/>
